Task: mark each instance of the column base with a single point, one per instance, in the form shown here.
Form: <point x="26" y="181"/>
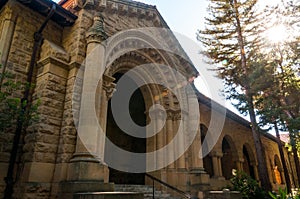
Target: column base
<point x="85" y="167"/>
<point x="199" y="177"/>
<point x="199" y="182"/>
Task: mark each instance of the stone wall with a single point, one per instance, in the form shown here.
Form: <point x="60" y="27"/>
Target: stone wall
<point x="49" y="145"/>
<point x="240" y="135"/>
<point x="39" y="138"/>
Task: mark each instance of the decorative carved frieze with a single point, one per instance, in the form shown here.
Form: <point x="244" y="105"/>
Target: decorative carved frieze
<point x="108" y="86"/>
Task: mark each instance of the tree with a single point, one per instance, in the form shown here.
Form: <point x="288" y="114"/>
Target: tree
<point x="279" y="103"/>
<point x="231" y="42"/>
<point x="11" y="106"/>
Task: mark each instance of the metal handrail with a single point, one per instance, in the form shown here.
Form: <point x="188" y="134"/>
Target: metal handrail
<point x="186" y="195"/>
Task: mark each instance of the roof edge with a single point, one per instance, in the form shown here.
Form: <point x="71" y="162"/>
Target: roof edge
<point x="61" y="16"/>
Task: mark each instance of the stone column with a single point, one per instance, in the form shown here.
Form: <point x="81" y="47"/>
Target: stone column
<point x="88" y="161"/>
<point x="105" y="93"/>
<point x="217" y="165"/>
<point x="199" y="179"/>
<point x="220" y="165"/>
<point x="170" y="135"/>
<point x="239" y="164"/>
<point x="6" y="36"/>
<point x="180" y="144"/>
<point x="254" y="164"/>
<point x="159" y="117"/>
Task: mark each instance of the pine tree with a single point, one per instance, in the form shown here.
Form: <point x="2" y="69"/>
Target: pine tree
<point x="231" y="42"/>
<point x="279" y="103"/>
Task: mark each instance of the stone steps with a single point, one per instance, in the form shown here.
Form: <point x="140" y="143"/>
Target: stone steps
<point x="146" y="190"/>
<point x="108" y="195"/>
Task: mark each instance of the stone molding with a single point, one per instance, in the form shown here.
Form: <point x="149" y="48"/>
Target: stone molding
<point x="133" y="9"/>
<point x="51" y="52"/>
<point x="55" y="61"/>
<point x="108" y="86"/>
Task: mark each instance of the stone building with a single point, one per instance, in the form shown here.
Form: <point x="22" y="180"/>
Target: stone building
<point x="63" y="153"/>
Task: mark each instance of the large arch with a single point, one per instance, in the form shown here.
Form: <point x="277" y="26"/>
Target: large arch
<point x="278" y="170"/>
<point x="127" y="142"/>
<point x="229" y="157"/>
<point x="207" y="160"/>
<point x="148" y="95"/>
<point x="140" y="102"/>
<point x="249" y="163"/>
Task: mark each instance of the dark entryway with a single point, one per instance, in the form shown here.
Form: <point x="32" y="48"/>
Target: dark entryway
<point x="125" y="141"/>
<point x="247" y="166"/>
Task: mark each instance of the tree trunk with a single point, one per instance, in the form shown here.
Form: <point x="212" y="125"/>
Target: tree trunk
<point x="296" y="158"/>
<point x="285" y="170"/>
<point x="260" y="152"/>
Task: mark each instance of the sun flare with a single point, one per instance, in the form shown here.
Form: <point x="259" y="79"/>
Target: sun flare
<point x="277" y="34"/>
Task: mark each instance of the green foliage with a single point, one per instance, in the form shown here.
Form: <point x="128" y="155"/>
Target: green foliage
<point x="283" y="194"/>
<point x="247" y="186"/>
<point x="11" y="105"/>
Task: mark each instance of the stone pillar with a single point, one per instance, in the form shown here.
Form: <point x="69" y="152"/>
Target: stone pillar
<point x="217" y="165"/>
<point x="170" y="135"/>
<point x="199" y="179"/>
<point x="6" y="36"/>
<point x="180" y="145"/>
<point x="220" y="165"/>
<point x="239" y="164"/>
<point x="171" y="174"/>
<point x="42" y="138"/>
<point x="87" y="164"/>
<point x="105" y="93"/>
<point x="254" y="164"/>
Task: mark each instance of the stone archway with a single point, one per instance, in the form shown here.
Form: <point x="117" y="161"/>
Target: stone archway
<point x="207" y="160"/>
<point x="229" y="156"/>
<point x="127" y="142"/>
<point x="140" y="103"/>
<point x="278" y="170"/>
<point x="249" y="161"/>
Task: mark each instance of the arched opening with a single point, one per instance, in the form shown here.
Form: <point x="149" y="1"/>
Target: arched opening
<point x="207" y="160"/>
<point x="277" y="170"/>
<point x="227" y="159"/>
<point x="248" y="162"/>
<point x="125" y="141"/>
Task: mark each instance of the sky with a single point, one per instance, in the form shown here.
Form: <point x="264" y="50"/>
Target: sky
<point x="184" y="18"/>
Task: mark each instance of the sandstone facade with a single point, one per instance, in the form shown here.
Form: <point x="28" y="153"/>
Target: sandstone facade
<point x="53" y="162"/>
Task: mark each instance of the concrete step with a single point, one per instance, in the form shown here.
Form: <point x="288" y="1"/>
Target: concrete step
<point x="145" y="189"/>
<point x="109" y="195"/>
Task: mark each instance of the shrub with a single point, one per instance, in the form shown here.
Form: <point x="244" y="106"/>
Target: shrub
<point x="247" y="186"/>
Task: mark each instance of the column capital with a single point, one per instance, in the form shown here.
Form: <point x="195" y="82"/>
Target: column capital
<point x="173" y="114"/>
<point x="96" y="33"/>
<point x="218" y="154"/>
